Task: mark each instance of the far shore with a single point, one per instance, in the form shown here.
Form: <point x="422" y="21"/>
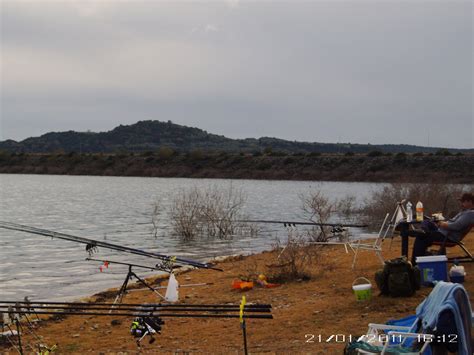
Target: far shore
<point x="307" y="313"/>
<point x="380" y="167"/>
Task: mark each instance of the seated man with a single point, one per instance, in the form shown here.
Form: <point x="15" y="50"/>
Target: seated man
<point x="454" y="229"/>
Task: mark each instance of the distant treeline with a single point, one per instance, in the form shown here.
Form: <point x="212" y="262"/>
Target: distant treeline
<point x="374" y="166"/>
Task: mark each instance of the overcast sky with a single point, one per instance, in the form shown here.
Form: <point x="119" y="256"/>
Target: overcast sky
<point x="319" y="71"/>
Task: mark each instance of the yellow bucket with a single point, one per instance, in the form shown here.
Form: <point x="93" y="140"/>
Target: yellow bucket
<point x="362" y="291"/>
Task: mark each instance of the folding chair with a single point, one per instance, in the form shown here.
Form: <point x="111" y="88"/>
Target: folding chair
<point x="444" y="316"/>
<point x="386" y="230"/>
<point x="448" y="243"/>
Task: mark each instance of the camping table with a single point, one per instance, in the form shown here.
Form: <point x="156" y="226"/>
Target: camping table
<point x="405" y="237"/>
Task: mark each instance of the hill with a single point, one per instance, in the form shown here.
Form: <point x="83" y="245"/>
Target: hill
<point x="151" y="135"/>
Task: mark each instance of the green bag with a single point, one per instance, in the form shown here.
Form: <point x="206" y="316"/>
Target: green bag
<point x="398" y="278"/>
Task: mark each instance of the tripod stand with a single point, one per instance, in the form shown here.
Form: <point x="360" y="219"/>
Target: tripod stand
<point x="123" y="288"/>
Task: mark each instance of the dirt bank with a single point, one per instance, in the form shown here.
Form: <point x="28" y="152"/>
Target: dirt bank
<point x="306" y="313"/>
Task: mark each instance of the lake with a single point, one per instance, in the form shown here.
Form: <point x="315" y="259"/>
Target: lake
<point x="119" y="210"/>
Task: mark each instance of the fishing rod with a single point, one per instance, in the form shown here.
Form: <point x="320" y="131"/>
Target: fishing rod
<point x="147" y="317"/>
<point x="145" y="314"/>
<point x="30" y="304"/>
<point x="139" y="310"/>
<point x="156" y="267"/>
<point x="54" y="308"/>
<point x="92" y="244"/>
<point x="294" y="223"/>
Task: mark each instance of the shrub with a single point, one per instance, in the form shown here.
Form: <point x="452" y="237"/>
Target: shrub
<point x="212" y="212"/>
<point x="165" y="153"/>
<point x="443" y="152"/>
<point x="196" y="154"/>
<point x="278" y="154"/>
<point x="435" y="198"/>
<point x="375" y="153"/>
<point x="293" y="260"/>
<point x="317" y="208"/>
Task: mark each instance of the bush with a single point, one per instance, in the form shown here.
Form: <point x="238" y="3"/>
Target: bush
<point x="196" y="154"/>
<point x="443" y="152"/>
<point x="435" y="198"/>
<point x="296" y="259"/>
<point x="212" y="212"/>
<point x="165" y="153"/>
<point x="375" y="153"/>
<point x="317" y="208"/>
<point x="278" y="153"/>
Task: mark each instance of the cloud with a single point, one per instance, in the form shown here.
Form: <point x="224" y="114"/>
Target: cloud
<point x="314" y="71"/>
<point x="210" y="28"/>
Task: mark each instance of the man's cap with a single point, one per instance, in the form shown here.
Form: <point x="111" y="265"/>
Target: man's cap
<point x="467" y="197"/>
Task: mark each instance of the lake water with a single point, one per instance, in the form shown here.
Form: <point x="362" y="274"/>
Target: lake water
<point x="118" y="210"/>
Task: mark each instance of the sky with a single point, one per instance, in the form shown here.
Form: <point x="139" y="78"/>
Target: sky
<point x="379" y="72"/>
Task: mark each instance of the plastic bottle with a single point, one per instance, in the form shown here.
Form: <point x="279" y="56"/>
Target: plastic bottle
<point x="172" y="293"/>
<point x="419" y="211"/>
<point x="409" y="211"/>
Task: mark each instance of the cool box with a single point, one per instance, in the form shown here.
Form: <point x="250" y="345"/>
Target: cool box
<point x="433" y="268"/>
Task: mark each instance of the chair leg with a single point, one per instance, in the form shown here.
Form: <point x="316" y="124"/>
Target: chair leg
<point x="380" y="257"/>
<point x="468" y="257"/>
<point x="355" y="258"/>
<point x="466" y="251"/>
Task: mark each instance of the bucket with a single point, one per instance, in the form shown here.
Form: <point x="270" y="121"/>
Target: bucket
<point x="362" y="291"/>
<point x="457" y="273"/>
<point x="433" y="268"/>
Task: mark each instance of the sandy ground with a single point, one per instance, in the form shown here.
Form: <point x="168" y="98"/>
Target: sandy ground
<point x="307" y="314"/>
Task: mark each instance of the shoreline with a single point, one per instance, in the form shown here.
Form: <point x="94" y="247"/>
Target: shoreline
<point x="356" y="168"/>
<point x="319" y="307"/>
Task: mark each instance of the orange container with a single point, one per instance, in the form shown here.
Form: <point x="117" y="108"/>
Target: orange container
<point x="242" y="285"/>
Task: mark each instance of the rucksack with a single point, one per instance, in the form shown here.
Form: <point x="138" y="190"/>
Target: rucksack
<point x="398" y="278"/>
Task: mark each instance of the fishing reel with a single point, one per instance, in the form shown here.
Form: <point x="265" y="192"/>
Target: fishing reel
<point x="338" y="231"/>
<point x="167" y="264"/>
<point x="91" y="248"/>
<point x="143" y="326"/>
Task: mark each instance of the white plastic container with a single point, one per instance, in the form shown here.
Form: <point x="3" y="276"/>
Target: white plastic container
<point x="172" y="293"/>
<point x="409" y="211"/>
